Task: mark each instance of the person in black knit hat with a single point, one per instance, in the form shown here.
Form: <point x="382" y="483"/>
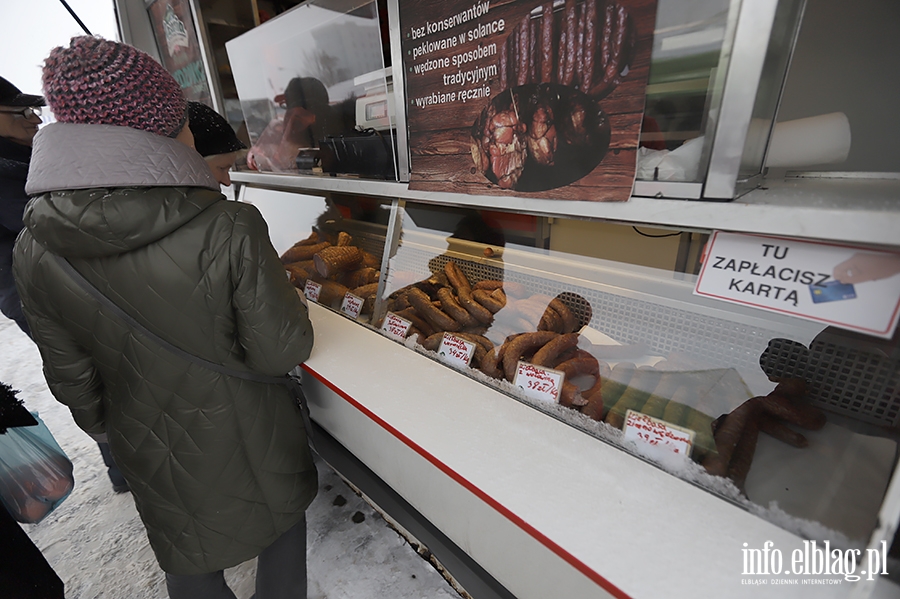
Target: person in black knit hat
<point x="214" y="139"/>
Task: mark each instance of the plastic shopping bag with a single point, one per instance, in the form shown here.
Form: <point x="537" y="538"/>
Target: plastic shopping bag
<point x="35" y="474"/>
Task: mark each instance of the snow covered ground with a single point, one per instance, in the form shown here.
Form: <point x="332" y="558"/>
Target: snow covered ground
<point x="96" y="542"/>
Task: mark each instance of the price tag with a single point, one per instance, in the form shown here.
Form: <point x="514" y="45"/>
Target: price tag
<point x="352" y="305"/>
<point x="455" y="351"/>
<point x="395" y="327"/>
<point x="657" y="438"/>
<point x="539" y="383"/>
<point x="312" y="290"/>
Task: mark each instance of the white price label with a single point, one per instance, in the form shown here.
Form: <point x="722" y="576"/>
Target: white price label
<point x="352" y="305"/>
<point x="395" y="327"/>
<point x="312" y="290"/>
<point x="657" y="438"/>
<point x="538" y="382"/>
<point x="455" y="351"/>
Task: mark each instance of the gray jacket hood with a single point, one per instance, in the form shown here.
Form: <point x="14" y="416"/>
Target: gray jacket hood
<point x="67" y="156"/>
<point x="108" y="190"/>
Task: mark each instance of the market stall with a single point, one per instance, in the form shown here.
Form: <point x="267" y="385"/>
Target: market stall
<point x="587" y="388"/>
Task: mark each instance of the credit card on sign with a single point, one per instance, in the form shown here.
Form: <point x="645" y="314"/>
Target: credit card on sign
<point x="831" y="291"/>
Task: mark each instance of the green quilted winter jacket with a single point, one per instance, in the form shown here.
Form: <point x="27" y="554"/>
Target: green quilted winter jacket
<point x="219" y="466"/>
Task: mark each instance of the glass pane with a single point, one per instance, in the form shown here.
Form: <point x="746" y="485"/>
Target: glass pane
<point x="179" y="49"/>
<point x="768" y="94"/>
<point x="688" y="42"/>
<point x="315" y="93"/>
<point x="789" y="419"/>
<point x="335" y="241"/>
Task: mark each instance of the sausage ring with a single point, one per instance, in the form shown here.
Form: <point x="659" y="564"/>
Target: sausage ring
<point x="519" y="346"/>
<point x="456" y="277"/>
<point x="440" y="319"/>
<point x="486" y="299"/>
<point x="481" y="314"/>
<point x="454" y="309"/>
<point x="548" y="353"/>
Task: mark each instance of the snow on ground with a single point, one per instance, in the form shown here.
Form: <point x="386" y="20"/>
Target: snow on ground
<point x="96" y="542"/>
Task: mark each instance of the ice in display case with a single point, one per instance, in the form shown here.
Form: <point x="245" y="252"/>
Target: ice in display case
<point x="792" y="421"/>
<point x="301" y="78"/>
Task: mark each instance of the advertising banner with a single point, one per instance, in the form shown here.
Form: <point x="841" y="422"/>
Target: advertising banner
<point x="179" y="49"/>
<point x="526" y="98"/>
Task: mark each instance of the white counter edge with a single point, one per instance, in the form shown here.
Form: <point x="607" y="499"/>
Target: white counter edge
<point x="539" y="504"/>
<point x="849" y="211"/>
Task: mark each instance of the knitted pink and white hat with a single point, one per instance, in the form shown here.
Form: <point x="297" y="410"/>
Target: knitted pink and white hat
<point x="99" y="82"/>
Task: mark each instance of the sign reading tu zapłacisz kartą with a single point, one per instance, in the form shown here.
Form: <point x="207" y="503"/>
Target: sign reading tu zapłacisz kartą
<point x="850" y="287"/>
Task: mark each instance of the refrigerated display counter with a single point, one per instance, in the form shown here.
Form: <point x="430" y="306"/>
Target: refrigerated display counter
<point x="559" y="484"/>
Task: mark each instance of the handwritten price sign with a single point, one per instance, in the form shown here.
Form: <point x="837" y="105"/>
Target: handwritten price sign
<point x="655" y="437"/>
<point x="395" y="327"/>
<point x="352" y="305"/>
<point x="312" y="290"/>
<point x="539" y="383"/>
<point x="455" y="351"/>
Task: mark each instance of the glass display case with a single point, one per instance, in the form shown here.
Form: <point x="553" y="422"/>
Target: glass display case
<point x="791" y="420"/>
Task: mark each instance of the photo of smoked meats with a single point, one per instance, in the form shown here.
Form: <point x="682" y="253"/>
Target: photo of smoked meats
<point x="337" y="265"/>
<point x="585" y="45"/>
<point x="546" y="128"/>
<point x="539" y="136"/>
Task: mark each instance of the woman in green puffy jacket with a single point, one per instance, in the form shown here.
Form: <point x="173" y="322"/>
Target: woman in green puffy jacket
<point x="219" y="466"/>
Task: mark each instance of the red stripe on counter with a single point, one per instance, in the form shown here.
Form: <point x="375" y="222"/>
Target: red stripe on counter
<point x="540" y="537"/>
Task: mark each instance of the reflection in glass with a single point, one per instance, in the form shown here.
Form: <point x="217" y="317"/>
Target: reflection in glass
<point x="335" y="241"/>
<point x="688" y="41"/>
<point x="315" y="92"/>
<point x="768" y="95"/>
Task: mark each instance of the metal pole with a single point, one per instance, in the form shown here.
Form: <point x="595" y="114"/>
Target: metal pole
<point x="74" y="16"/>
